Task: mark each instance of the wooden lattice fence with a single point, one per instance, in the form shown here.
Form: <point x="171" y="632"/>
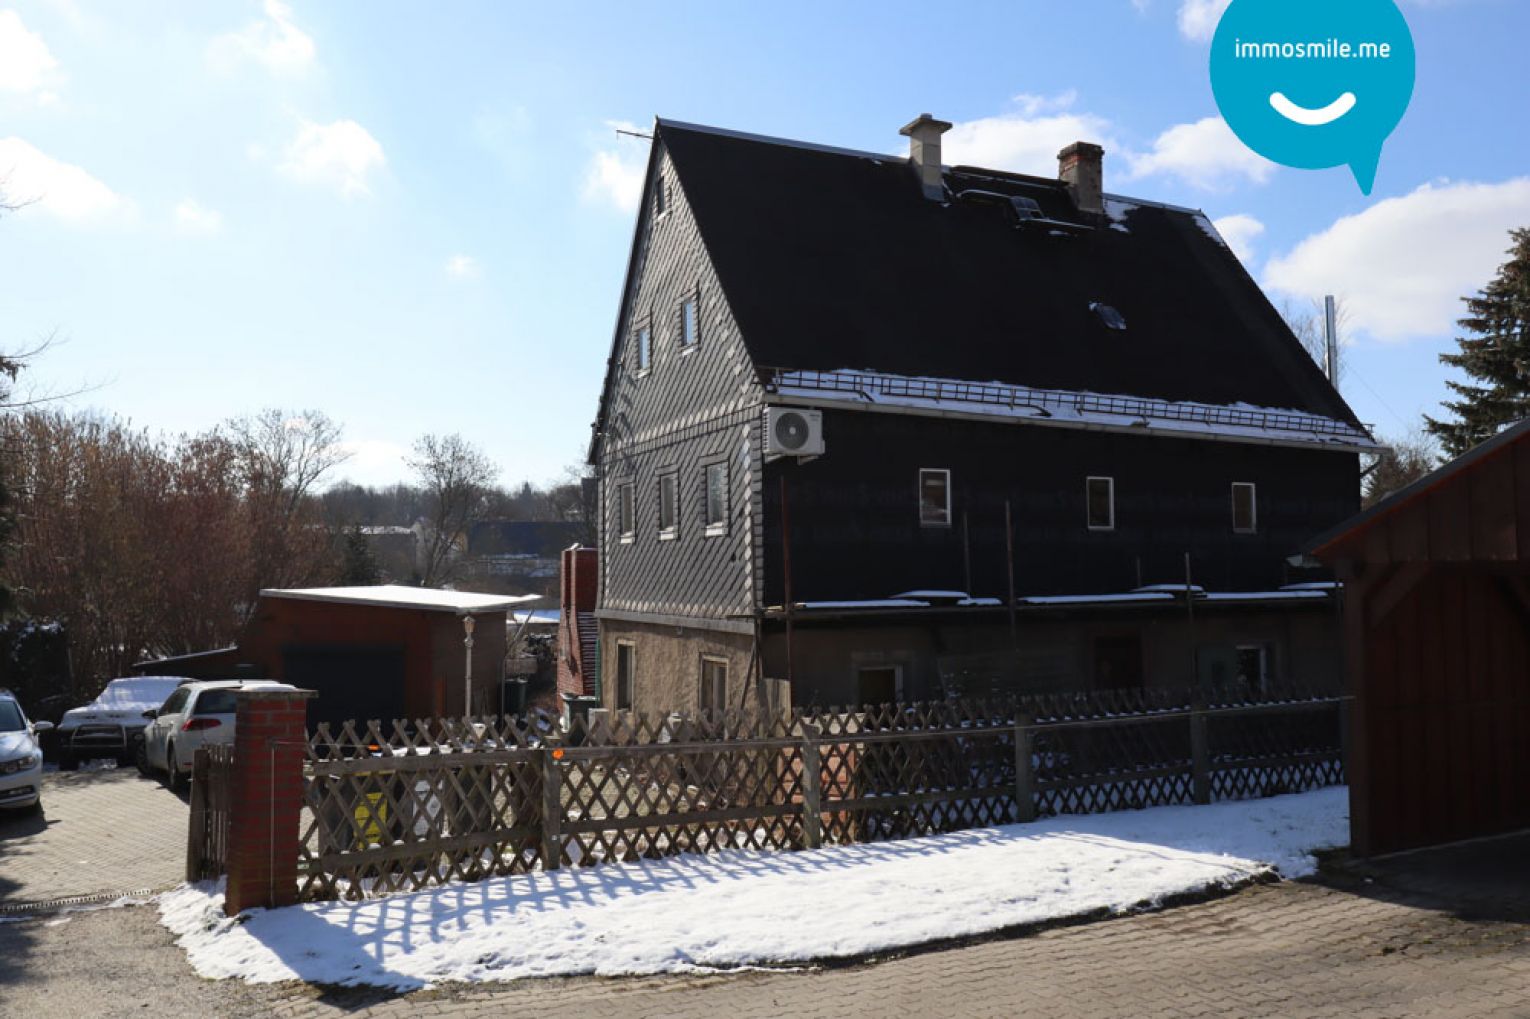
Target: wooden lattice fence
<point x="407" y="806"/>
<point x="212" y="770"/>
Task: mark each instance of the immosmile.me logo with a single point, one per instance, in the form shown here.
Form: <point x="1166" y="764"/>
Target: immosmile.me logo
<point x="1314" y="83"/>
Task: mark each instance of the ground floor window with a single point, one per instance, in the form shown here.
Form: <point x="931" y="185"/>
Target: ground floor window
<point x="934" y="497"/>
<point x="1245" y="517"/>
<point x="878" y="684"/>
<point x="626" y="677"/>
<point x="1100" y="499"/>
<point x="714" y="683"/>
<point x="1254" y="666"/>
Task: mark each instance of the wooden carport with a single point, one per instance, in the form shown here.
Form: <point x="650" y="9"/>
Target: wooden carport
<point x="1437" y="618"/>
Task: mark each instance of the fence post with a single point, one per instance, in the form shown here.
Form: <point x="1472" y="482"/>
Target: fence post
<point x="196" y="826"/>
<point x="266" y="798"/>
<point x="552" y="809"/>
<point x="812" y="795"/>
<point x="1200" y="754"/>
<point x="1025" y="768"/>
<point x="1345" y="721"/>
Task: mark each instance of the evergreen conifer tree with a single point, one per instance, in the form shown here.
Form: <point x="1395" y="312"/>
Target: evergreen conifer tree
<point x="1495" y="355"/>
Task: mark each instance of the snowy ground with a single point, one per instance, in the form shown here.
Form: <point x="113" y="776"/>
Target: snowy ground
<point x="736" y="909"/>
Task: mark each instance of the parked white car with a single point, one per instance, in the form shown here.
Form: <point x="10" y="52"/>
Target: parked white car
<point x="20" y="757"/>
<point x="197" y="714"/>
<point x="111" y="725"/>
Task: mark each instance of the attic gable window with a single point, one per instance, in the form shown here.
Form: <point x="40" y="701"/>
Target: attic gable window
<point x="1112" y="318"/>
<point x="644" y="344"/>
<point x="934" y="497"/>
<point x="1100" y="503"/>
<point x="1245" y="509"/>
<point x="660" y="198"/>
<point x="690" y="325"/>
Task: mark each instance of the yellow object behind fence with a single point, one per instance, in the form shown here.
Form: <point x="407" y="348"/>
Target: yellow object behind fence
<point x="371" y="815"/>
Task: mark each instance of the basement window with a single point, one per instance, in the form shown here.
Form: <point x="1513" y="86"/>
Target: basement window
<point x="934" y="497"/>
<point x="1100" y="500"/>
<point x="1245" y="508"/>
<point x="1112" y="318"/>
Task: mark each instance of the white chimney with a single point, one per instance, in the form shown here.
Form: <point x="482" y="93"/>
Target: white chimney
<point x="1081" y="167"/>
<point x="924" y="153"/>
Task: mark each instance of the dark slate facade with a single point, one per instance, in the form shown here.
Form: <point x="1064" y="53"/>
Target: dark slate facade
<point x="802" y="257"/>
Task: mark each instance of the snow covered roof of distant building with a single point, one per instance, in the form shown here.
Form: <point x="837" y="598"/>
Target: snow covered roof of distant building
<point x="400" y="597"/>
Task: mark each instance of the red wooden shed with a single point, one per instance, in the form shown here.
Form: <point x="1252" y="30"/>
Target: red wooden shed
<point x="1437" y="616"/>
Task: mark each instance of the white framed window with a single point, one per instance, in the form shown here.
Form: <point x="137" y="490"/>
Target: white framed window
<point x="669" y="522"/>
<point x="626" y="674"/>
<point x="1100" y="503"/>
<point x="690" y="324"/>
<point x="1245" y="508"/>
<point x="714" y="683"/>
<point x="626" y="511"/>
<point x="643" y="342"/>
<point x="934" y="497"/>
<point x="715" y="499"/>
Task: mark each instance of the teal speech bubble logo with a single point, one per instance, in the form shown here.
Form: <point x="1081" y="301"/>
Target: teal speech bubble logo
<point x="1314" y="83"/>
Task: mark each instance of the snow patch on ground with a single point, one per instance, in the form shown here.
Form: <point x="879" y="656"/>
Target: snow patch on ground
<point x="735" y="909"/>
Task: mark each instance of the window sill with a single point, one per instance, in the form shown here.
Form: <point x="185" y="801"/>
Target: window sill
<point x="642" y="373"/>
<point x="715" y="531"/>
<point x="1245" y="530"/>
<point x="1102" y="530"/>
<point x="626" y="539"/>
<point x="669" y="535"/>
<point x="931" y="525"/>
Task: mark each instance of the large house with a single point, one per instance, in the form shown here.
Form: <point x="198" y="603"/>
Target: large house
<point x="877" y="427"/>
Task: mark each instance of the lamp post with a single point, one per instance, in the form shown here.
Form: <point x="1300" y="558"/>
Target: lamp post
<point x="467" y="672"/>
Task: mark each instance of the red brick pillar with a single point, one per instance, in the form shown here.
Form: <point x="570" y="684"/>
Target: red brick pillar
<point x="266" y="798"/>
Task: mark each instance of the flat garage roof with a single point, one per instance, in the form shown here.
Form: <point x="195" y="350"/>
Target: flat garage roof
<point x="397" y="596"/>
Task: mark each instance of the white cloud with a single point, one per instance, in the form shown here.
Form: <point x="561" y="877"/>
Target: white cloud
<point x="341" y="155"/>
<point x="26" y="64"/>
<point x="1024" y="142"/>
<point x="1239" y="231"/>
<point x="1205" y="154"/>
<point x="273" y="41"/>
<point x="192" y="218"/>
<point x="1198" y="18"/>
<point x="463" y="267"/>
<point x="373" y="461"/>
<point x="39" y="181"/>
<point x="615" y="175"/>
<point x="1403" y="264"/>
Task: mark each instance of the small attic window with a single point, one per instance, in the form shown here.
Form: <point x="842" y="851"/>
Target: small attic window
<point x="660" y="198"/>
<point x="1112" y="318"/>
<point x="1026" y="208"/>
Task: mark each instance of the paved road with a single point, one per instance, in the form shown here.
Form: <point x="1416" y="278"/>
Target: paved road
<point x="102" y="833"/>
<point x="1347" y="948"/>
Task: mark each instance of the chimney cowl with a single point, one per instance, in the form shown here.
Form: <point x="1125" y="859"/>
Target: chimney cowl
<point x="924" y="133"/>
<point x="1081" y="167"/>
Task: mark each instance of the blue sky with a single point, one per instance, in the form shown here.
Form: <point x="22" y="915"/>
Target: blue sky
<point x="416" y="217"/>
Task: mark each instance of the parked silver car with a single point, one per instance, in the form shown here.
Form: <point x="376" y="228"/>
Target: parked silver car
<point x="194" y="715"/>
<point x="20" y="757"/>
<point x="112" y="724"/>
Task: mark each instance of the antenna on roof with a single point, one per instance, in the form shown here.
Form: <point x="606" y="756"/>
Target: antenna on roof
<point x="635" y="134"/>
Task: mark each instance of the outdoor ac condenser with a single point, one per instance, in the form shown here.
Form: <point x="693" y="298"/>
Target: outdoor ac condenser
<point x="793" y="431"/>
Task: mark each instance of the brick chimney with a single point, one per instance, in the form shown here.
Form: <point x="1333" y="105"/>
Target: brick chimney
<point x="1081" y="167"/>
<point x="924" y="153"/>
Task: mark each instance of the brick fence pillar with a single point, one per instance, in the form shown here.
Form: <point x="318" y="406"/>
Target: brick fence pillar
<point x="266" y="798"/>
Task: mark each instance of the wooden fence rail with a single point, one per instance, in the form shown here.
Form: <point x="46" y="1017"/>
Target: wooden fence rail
<point x="460" y="800"/>
<point x="207" y="826"/>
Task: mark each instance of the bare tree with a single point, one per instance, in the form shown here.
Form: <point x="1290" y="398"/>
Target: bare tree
<point x="456" y="478"/>
<point x="1307" y="324"/>
<point x="1407" y="459"/>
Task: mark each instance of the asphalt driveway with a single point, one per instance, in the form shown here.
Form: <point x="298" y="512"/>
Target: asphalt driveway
<point x="102" y="834"/>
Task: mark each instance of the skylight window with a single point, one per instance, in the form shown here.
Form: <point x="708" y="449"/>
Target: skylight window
<point x="1112" y="318"/>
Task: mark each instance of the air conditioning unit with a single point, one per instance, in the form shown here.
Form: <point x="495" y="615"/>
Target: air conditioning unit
<point x="793" y="431"/>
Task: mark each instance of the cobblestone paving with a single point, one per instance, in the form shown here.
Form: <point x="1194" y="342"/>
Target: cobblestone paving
<point x="101" y="832"/>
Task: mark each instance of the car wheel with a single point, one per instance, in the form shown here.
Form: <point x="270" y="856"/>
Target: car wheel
<point x="141" y="758"/>
<point x="174" y="779"/>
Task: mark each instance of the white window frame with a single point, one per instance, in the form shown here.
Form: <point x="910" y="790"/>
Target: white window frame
<point x="672" y="478"/>
<point x="1110" y="502"/>
<point x="718" y="527"/>
<point x="920" y="493"/>
<point x="1253" y="507"/>
<point x="626" y="697"/>
<point x="626" y="512"/>
<point x="691" y="301"/>
<point x="643" y="342"/>
<point x="719" y="696"/>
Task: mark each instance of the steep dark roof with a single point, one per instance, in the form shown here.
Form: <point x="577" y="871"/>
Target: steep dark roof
<point x="832" y="259"/>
